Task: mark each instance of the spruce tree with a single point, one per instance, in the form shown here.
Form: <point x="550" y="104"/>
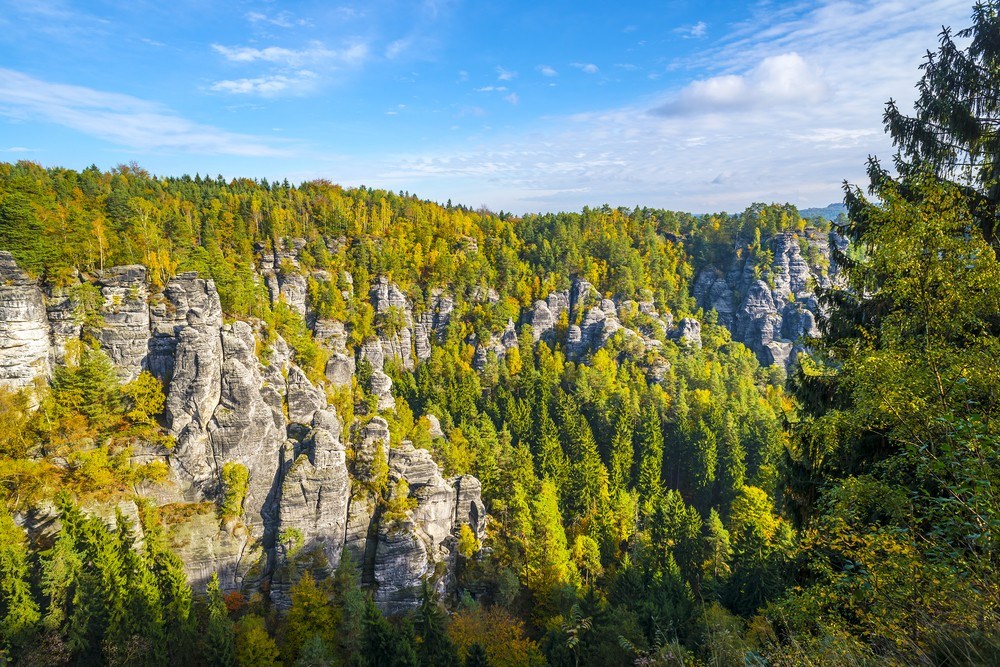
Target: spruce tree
<point x="19" y="613"/>
<point x="434" y="646"/>
<point x="649" y="445"/>
<point x="220" y="648"/>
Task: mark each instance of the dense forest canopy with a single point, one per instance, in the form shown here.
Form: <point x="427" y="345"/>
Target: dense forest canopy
<point x="657" y="504"/>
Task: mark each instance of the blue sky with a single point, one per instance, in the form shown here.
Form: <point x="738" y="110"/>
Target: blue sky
<point x="522" y="106"/>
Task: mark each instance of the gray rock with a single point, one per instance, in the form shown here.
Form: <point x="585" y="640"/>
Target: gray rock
<point x="400" y="566"/>
<point x="24" y="328"/>
<point x="292" y="290"/>
<point x="340" y="369"/>
<point x="186" y="300"/>
<point x="542" y="321"/>
<point x="126" y="330"/>
<point x="382" y="388"/>
<point x="371" y="351"/>
<point x="689" y="332"/>
<point x="374" y="435"/>
<point x="414" y="465"/>
<point x="315" y="495"/>
<point x="303" y="398"/>
<point x="64" y="323"/>
<point x="206" y="548"/>
<point x="332" y="334"/>
<point x="469" y="506"/>
<point x="558" y="303"/>
<point x="242" y="427"/>
<point x="435" y="426"/>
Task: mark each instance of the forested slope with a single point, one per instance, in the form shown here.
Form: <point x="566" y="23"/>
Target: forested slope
<point x="245" y="422"/>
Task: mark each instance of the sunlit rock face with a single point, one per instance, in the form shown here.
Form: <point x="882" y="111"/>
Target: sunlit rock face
<point x="24" y="327"/>
<point x="773" y="317"/>
<point x="233" y="402"/>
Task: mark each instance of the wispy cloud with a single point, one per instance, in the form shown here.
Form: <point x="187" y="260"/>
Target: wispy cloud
<point x="122" y="120"/>
<point x="505" y="74"/>
<point x="282" y="19"/>
<point x="492" y="89"/>
<point x="300" y="82"/>
<point x="289" y="72"/>
<point x="697" y="31"/>
<point x="782" y="108"/>
<point x="546" y="70"/>
<point x="315" y="52"/>
<point x="398" y="47"/>
<point x="18" y="149"/>
<point x="513" y="98"/>
<point x="586" y="68"/>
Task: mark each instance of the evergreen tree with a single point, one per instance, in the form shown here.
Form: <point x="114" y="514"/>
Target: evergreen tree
<point x="219" y="649"/>
<point x="622" y="451"/>
<point x="649" y="445"/>
<point x="378" y="641"/>
<point x="19" y="613"/>
<point x="314" y="653"/>
<point x="476" y="656"/>
<point x="434" y="646"/>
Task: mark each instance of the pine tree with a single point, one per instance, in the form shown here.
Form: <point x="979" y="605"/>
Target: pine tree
<point x="649" y="445"/>
<point x="434" y="646"/>
<point x="476" y="656"/>
<point x="622" y="453"/>
<point x="19" y="613"/>
<point x="314" y="653"/>
<point x="549" y="562"/>
<point x="220" y="648"/>
<point x="378" y="641"/>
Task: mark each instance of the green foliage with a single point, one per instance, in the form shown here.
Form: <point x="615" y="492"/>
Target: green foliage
<point x="144" y="399"/>
<point x="659" y="512"/>
<point x="468" y="544"/>
<point x="311" y="615"/>
<point x="254" y="647"/>
<point x="19" y="613"/>
<point x="235" y="483"/>
<point x="219" y="640"/>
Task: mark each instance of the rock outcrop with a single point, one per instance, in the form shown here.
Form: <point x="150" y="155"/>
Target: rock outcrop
<point x="125" y="333"/>
<point x="775" y="316"/>
<point x="234" y="404"/>
<point x="24" y="327"/>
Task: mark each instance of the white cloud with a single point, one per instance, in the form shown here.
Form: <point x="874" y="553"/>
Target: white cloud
<point x="586" y="68"/>
<point x="315" y="52"/>
<point x="505" y="74"/>
<point x="398" y="47"/>
<point x="806" y="122"/>
<point x="546" y="70"/>
<point x="122" y="120"/>
<point x="18" y="149"/>
<point x="281" y="19"/>
<point x="777" y="80"/>
<point x="301" y="82"/>
<point x="513" y="98"/>
<point x="491" y="89"/>
<point x="697" y="31"/>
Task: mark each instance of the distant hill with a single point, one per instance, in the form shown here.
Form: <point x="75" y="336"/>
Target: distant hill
<point x="830" y="212"/>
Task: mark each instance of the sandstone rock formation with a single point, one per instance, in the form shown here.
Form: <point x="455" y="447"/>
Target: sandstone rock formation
<point x="24" y="329"/>
<point x="230" y="400"/>
<point x="772" y="317"/>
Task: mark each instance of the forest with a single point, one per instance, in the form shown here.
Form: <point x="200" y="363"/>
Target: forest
<point x="724" y="512"/>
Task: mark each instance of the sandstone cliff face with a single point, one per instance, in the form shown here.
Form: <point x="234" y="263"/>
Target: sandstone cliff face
<point x="772" y="317"/>
<point x="224" y="404"/>
<point x="24" y="330"/>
